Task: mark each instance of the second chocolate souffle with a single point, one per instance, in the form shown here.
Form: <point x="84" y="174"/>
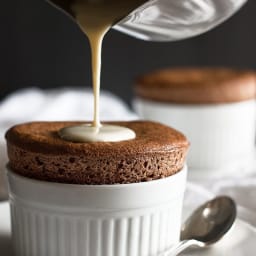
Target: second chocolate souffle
<point x="214" y="107"/>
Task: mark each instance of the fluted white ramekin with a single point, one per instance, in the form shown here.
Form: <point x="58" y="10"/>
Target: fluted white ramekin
<point x="51" y="219"/>
<point x="222" y="136"/>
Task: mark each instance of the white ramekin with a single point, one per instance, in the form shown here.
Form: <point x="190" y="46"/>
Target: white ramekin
<point x="222" y="136"/>
<point x="51" y="219"/>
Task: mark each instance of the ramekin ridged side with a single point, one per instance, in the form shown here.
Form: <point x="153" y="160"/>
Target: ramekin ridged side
<point x="50" y="219"/>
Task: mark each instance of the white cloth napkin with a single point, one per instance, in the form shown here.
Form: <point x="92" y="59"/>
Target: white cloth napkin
<point x="65" y="104"/>
<point x="76" y="104"/>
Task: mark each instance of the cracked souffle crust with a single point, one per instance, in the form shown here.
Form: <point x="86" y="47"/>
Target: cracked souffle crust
<point x="35" y="150"/>
<point x="197" y="85"/>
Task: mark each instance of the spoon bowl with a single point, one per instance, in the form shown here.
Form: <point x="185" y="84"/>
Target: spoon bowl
<point x="207" y="225"/>
<point x="211" y="221"/>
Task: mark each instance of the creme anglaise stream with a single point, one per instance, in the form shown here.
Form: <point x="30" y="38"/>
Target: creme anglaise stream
<point x="96" y="18"/>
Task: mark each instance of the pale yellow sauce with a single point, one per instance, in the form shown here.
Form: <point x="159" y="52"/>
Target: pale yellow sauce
<point x="96" y="18"/>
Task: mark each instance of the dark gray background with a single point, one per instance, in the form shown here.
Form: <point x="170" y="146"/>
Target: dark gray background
<point x="41" y="47"/>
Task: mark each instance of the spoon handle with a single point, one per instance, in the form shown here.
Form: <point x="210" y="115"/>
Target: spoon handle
<point x="181" y="246"/>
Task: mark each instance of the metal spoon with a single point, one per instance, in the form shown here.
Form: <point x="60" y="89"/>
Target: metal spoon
<point x="207" y="225"/>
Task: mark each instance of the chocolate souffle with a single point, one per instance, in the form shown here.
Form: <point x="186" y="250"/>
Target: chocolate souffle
<point x="197" y="85"/>
<point x="36" y="151"/>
